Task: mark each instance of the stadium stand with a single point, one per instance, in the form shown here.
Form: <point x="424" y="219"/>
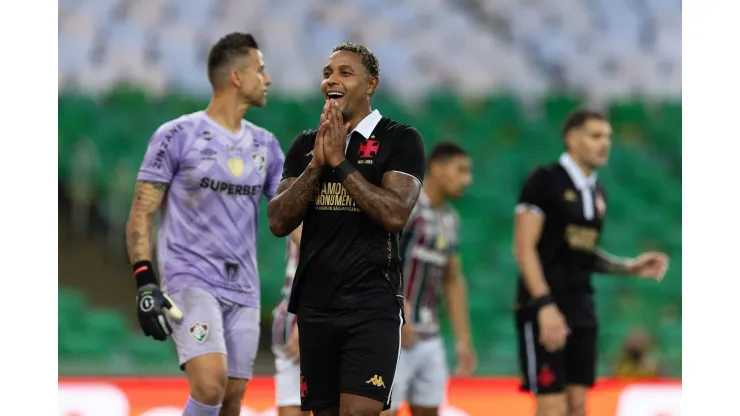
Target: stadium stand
<point x="488" y="75"/>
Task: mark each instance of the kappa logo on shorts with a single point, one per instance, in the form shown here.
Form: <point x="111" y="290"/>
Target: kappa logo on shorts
<point x="376" y="381"/>
<point x="199" y="332"/>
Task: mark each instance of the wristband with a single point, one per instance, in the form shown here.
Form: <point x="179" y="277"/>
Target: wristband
<point x="144" y="273"/>
<point x="344" y="169"/>
<point x="542" y="301"/>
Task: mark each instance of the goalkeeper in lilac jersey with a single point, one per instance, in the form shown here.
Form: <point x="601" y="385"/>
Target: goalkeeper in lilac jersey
<point x="205" y="173"/>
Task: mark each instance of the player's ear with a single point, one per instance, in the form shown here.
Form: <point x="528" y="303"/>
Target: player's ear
<point x="372" y="85"/>
<point x="569" y="139"/>
<point x="235" y="78"/>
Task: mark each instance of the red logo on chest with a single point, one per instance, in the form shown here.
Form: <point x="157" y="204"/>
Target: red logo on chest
<point x="369" y="148"/>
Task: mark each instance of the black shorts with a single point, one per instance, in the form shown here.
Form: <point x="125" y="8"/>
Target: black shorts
<point x="544" y="372"/>
<point x="350" y="351"/>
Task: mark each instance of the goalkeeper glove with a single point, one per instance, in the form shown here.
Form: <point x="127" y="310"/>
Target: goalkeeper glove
<point x="152" y="303"/>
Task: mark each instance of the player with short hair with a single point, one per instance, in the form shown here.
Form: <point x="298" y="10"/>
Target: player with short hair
<point x="559" y="220"/>
<point x="353" y="184"/>
<point x="205" y="173"/>
<point x="285" y="339"/>
<point x="432" y="270"/>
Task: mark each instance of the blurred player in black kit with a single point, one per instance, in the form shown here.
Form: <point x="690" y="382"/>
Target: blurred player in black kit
<point x="559" y="219"/>
<point x="353" y="183"/>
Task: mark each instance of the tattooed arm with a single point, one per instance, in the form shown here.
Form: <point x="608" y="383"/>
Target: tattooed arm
<point x="606" y="263"/>
<point x="287" y="209"/>
<point x="148" y="196"/>
<point x="389" y="205"/>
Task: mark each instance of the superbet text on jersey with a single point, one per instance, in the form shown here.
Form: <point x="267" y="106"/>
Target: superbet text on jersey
<point x="208" y="221"/>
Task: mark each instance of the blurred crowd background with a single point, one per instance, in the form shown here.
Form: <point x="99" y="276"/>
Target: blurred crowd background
<point x="496" y="76"/>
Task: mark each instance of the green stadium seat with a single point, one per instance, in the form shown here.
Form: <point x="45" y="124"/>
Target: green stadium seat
<point x="106" y="324"/>
<point x="669" y="117"/>
<point x="71" y="303"/>
<point x="669" y="344"/>
<point x="392" y="109"/>
<point x="629" y="112"/>
<point x="612" y="336"/>
<point x="178" y="104"/>
<point x="557" y="107"/>
<point x="130" y="98"/>
<point x="504" y="109"/>
<point x="506" y="142"/>
<point x="148" y="352"/>
<point x="84" y="346"/>
<point x="71" y="310"/>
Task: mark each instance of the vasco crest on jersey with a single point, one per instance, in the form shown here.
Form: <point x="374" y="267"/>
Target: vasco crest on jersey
<point x="259" y="162"/>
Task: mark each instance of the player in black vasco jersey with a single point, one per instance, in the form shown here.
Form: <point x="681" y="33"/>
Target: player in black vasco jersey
<point x="558" y="223"/>
<point x="354" y="194"/>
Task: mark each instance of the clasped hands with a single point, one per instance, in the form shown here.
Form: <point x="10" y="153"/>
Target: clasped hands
<point x="329" y="149"/>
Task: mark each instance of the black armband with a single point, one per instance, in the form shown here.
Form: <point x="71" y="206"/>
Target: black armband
<point x="542" y="301"/>
<point x="344" y="169"/>
<point x="144" y="273"/>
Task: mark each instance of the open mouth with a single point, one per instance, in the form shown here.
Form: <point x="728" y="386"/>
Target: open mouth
<point x="334" y="95"/>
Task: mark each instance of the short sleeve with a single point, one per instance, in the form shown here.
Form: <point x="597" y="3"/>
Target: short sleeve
<point x="274" y="169"/>
<point x="535" y="195"/>
<point x="162" y="156"/>
<point x="408" y="157"/>
<point x="295" y="162"/>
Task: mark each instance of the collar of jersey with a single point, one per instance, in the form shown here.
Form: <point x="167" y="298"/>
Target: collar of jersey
<point x="576" y="174"/>
<point x="365" y="127"/>
<point x="230" y="134"/>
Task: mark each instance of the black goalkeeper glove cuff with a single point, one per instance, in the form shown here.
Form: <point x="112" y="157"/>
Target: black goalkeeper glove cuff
<point x="144" y="273"/>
